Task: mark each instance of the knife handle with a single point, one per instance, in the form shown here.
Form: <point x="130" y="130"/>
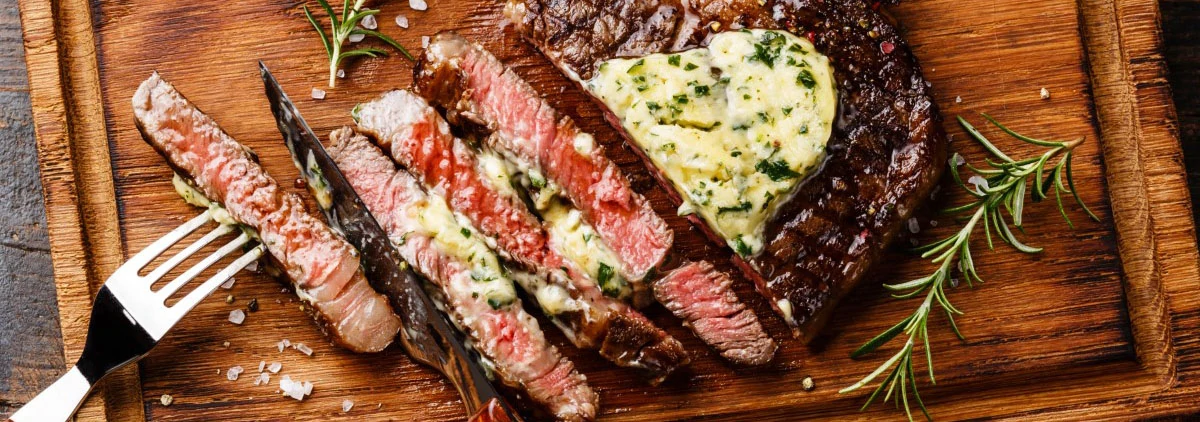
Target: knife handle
<point x="495" y="410"/>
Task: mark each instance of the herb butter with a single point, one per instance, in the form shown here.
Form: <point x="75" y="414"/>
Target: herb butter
<point x="735" y="126"/>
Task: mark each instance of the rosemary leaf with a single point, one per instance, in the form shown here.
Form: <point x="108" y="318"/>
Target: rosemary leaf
<point x="1008" y="184"/>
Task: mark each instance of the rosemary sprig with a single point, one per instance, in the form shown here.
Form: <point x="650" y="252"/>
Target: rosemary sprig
<point x="997" y="189"/>
<point x="342" y="28"/>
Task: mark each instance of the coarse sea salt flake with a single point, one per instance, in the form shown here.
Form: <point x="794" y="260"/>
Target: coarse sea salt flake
<point x="347" y="405"/>
<point x="303" y="348"/>
<point x="318" y="94"/>
<point x="283" y="344"/>
<point x="357" y="37"/>
<point x="402" y="21"/>
<point x="913" y="225"/>
<point x="978" y="181"/>
<point x="418" y="4"/>
<point x="275" y="367"/>
<point x="228" y="284"/>
<point x="237" y="316"/>
<point x="261" y="364"/>
<point x="424" y="41"/>
<point x="369" y="22"/>
<point x="233" y="373"/>
<point x="341" y="73"/>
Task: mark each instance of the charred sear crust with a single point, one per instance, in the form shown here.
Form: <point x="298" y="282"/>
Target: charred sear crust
<point x="884" y="155"/>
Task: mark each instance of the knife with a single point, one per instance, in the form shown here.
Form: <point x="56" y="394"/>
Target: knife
<point x="427" y="336"/>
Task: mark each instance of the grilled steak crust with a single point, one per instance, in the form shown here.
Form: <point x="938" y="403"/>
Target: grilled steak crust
<point x="475" y="87"/>
<point x="418" y="139"/>
<point x="884" y="156"/>
<point x="508" y="337"/>
<point x="323" y="267"/>
<point x="472" y="84"/>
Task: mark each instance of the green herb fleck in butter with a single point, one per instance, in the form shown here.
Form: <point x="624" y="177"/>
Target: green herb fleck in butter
<point x="735" y="126"/>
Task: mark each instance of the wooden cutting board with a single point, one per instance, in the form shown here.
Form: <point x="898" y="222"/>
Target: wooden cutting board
<point x="1102" y="325"/>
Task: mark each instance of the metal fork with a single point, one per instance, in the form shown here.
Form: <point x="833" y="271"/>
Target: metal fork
<point x="128" y="318"/>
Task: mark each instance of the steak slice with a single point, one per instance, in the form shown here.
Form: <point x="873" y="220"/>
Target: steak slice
<point x="323" y="268"/>
<point x="701" y="295"/>
<point x="884" y="155"/>
<point x="506" y="336"/>
<point x="471" y="83"/>
<point x="419" y="140"/>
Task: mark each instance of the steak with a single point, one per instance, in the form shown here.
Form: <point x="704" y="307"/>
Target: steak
<point x="469" y="81"/>
<point x="884" y="156"/>
<point x="702" y="296"/>
<point x="323" y="268"/>
<point x="420" y="140"/>
<point x="477" y="90"/>
<point x="506" y="336"/>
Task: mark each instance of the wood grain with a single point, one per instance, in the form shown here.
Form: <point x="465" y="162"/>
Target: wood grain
<point x="1104" y="307"/>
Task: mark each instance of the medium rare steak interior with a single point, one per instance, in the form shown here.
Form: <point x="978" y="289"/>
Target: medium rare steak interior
<point x="882" y="157"/>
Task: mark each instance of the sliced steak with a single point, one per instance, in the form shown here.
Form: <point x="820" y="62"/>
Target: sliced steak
<point x="470" y="82"/>
<point x="323" y="268"/>
<point x="419" y="140"/>
<point x="506" y="336"/>
<point x="884" y="156"/>
<point x="698" y="293"/>
<point x="474" y="85"/>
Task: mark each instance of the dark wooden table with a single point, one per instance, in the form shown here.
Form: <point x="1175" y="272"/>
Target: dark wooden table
<point x="30" y="344"/>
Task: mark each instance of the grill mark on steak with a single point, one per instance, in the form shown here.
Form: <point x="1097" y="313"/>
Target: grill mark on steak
<point x="885" y="153"/>
<point x="322" y="266"/>
<point x="476" y="89"/>
<point x="510" y="338"/>
<point x="420" y="140"/>
<point x="473" y="85"/>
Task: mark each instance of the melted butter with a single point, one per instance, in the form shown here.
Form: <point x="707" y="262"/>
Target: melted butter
<point x="457" y="238"/>
<point x="194" y="197"/>
<point x="735" y="126"/>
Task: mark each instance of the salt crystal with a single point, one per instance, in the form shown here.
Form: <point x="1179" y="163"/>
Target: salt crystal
<point x="263" y="379"/>
<point x="275" y="367"/>
<point x="341" y="73"/>
<point x="933" y="223"/>
<point x="347" y="405"/>
<point x="225" y="344"/>
<point x="237" y="316"/>
<point x="228" y="284"/>
<point x="283" y="344"/>
<point x="166" y="399"/>
<point x="357" y="37"/>
<point x="913" y="225"/>
<point x="1045" y="94"/>
<point x="978" y="181"/>
<point x="261" y="364"/>
<point x="418" y="4"/>
<point x="232" y="373"/>
<point x="302" y="348"/>
<point x="957" y="160"/>
<point x="402" y="21"/>
<point x="308" y="386"/>
<point x="953" y="282"/>
<point x="252" y="266"/>
<point x="318" y="94"/>
<point x="958" y="100"/>
<point x="369" y="22"/>
<point x="425" y="41"/>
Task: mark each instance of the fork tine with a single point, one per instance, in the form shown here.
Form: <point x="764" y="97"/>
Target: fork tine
<point x="192" y="299"/>
<point x="155" y="249"/>
<point x="195" y="270"/>
<point x="187" y="252"/>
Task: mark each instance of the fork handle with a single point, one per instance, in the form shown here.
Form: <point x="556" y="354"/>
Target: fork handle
<point x="58" y="402"/>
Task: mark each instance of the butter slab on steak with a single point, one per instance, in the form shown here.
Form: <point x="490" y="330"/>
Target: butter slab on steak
<point x="473" y="84"/>
<point x="507" y="336"/>
<point x="417" y="138"/>
<point x="884" y="156"/>
<point x="322" y="266"/>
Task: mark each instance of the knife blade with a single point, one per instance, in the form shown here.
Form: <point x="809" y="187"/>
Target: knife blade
<point x="427" y="336"/>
